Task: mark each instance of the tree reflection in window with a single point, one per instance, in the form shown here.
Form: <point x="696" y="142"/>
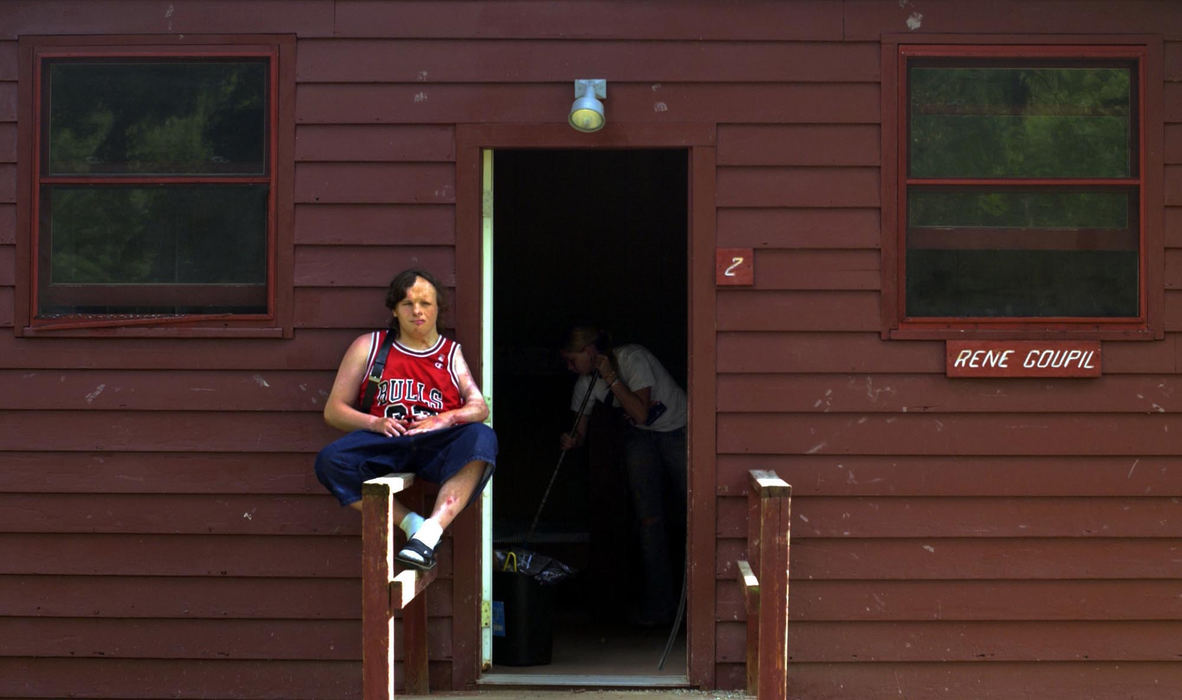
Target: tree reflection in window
<point x="1022" y="192"/>
<point x="155" y="186"/>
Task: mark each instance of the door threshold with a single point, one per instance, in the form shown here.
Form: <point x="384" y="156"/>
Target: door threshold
<point x="590" y="680"/>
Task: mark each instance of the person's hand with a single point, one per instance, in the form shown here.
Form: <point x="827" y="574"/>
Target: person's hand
<point x="390" y="427"/>
<point x="424" y="424"/>
<point x="603" y="365"/>
<point x="567" y="442"/>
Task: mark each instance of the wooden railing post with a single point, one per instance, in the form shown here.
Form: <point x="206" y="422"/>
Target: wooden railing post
<point x="384" y="590"/>
<point x="764" y="577"/>
<point x="377" y="617"/>
<point x="415" y="663"/>
<point x="750" y="583"/>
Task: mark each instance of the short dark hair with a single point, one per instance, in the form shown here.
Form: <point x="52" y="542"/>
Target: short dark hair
<point x="402" y="282"/>
<point x="583" y="334"/>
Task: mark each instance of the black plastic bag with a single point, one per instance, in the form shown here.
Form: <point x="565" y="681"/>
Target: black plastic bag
<point x="541" y="568"/>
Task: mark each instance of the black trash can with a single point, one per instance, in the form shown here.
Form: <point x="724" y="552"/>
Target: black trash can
<point x="523" y="606"/>
<point x="523" y="629"/>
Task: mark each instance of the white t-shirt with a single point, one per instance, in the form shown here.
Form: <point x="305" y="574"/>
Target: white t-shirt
<point x="639" y="369"/>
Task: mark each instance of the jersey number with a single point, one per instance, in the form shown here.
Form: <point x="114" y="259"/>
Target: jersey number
<point x="399" y="412"/>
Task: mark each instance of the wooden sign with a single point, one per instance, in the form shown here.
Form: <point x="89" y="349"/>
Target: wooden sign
<point x="1022" y="358"/>
<point x="734" y="267"/>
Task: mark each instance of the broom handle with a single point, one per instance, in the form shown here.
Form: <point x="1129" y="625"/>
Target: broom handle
<point x="573" y="430"/>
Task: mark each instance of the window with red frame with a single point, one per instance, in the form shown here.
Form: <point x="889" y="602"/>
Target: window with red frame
<point x="1021" y="186"/>
<point x="154" y="184"/>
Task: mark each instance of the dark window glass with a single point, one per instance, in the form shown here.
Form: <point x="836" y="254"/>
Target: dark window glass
<point x="1033" y="210"/>
<point x="1062" y="238"/>
<point x="107" y="235"/>
<point x="162" y="118"/>
<point x="1021" y="122"/>
<point x="145" y="238"/>
<point x="154" y="188"/>
<point x="1022" y="283"/>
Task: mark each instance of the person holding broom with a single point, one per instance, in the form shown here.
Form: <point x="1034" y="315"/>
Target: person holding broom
<point x="633" y="381"/>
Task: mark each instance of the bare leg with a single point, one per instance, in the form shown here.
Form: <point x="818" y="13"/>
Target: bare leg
<point x="453" y="496"/>
<point x="455" y="493"/>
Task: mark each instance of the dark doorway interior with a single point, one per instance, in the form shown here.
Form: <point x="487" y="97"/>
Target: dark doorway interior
<point x="581" y="235"/>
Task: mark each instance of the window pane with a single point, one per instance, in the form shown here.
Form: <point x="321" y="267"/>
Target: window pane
<point x="1013" y="253"/>
<point x="1020" y="209"/>
<point x="159" y="118"/>
<point x="1017" y="283"/>
<point x="988" y="121"/>
<point x="101" y="238"/>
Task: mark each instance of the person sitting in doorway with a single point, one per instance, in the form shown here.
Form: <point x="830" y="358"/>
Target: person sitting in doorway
<point x="633" y="380"/>
<point x="410" y="404"/>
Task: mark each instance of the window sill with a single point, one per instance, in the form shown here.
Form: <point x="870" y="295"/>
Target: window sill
<point x="1016" y="332"/>
<point x="161" y="331"/>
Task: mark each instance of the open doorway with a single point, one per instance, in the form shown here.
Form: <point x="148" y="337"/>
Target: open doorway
<point x="599" y="236"/>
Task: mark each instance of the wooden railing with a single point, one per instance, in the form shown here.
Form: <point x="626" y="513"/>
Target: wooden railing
<point x="764" y="578"/>
<point x="386" y="589"/>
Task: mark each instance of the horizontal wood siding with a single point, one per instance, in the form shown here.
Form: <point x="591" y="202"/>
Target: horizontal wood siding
<point x="162" y="533"/>
<point x="967" y="538"/>
<point x="169" y="538"/>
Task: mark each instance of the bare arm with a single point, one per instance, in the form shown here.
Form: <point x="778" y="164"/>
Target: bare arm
<point x="633" y="401"/>
<point x="339" y="409"/>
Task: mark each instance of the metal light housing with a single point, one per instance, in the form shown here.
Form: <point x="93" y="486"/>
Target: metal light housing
<point x="586" y="113"/>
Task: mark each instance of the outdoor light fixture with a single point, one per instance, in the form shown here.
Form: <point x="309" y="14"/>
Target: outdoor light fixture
<point x="586" y="114"/>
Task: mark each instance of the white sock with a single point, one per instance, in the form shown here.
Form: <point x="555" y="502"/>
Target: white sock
<point x="411" y="523"/>
<point x="429" y="533"/>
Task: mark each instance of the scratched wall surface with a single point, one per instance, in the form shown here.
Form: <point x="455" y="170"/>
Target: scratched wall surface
<point x="161" y="531"/>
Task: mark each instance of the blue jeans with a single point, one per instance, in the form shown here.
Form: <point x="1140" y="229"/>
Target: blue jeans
<point x="656" y="467"/>
<point x="435" y="456"/>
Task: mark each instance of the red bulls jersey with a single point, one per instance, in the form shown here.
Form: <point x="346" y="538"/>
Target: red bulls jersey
<point x="414" y="382"/>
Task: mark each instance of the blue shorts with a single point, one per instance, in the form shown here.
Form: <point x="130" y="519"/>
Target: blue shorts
<point x="435" y="456"/>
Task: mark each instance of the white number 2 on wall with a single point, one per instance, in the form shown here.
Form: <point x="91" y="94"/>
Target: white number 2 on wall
<point x="735" y="262"/>
<point x="733" y="266"/>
